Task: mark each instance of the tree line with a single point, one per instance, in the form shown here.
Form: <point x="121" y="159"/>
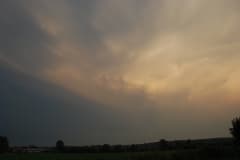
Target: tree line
<point x="161" y="145"/>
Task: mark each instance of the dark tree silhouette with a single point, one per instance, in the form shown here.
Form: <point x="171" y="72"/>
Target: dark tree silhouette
<point x="163" y="144"/>
<point x="106" y="148"/>
<point x="60" y="145"/>
<point x="3" y="144"/>
<point x="235" y="130"/>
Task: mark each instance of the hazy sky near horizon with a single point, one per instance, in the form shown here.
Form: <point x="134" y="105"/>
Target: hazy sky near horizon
<point x="118" y="71"/>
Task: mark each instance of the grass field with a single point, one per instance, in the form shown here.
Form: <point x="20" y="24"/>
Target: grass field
<point x="163" y="155"/>
<point x="66" y="156"/>
<point x="62" y="156"/>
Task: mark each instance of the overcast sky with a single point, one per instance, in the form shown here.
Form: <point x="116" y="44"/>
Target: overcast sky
<point x="118" y="71"/>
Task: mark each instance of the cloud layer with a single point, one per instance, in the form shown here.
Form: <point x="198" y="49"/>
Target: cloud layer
<point x="176" y="60"/>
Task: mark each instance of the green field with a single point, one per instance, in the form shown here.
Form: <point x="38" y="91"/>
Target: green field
<point x="163" y="155"/>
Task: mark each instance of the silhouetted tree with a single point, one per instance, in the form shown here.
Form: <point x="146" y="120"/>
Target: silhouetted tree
<point x="163" y="144"/>
<point x="106" y="148"/>
<point x="132" y="148"/>
<point x="118" y="148"/>
<point x="188" y="144"/>
<point x="60" y="145"/>
<point x="4" y="146"/>
<point x="235" y="130"/>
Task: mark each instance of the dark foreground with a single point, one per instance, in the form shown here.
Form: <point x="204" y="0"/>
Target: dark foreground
<point x="203" y="154"/>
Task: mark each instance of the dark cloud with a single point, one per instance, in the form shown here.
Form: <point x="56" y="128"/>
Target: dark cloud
<point x="146" y="67"/>
<point x="38" y="112"/>
<point x="34" y="111"/>
<point x="22" y="40"/>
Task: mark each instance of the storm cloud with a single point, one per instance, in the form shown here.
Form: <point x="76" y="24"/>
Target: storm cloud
<point x="149" y="66"/>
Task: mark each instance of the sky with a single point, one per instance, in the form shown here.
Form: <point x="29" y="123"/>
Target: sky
<point x="118" y="71"/>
